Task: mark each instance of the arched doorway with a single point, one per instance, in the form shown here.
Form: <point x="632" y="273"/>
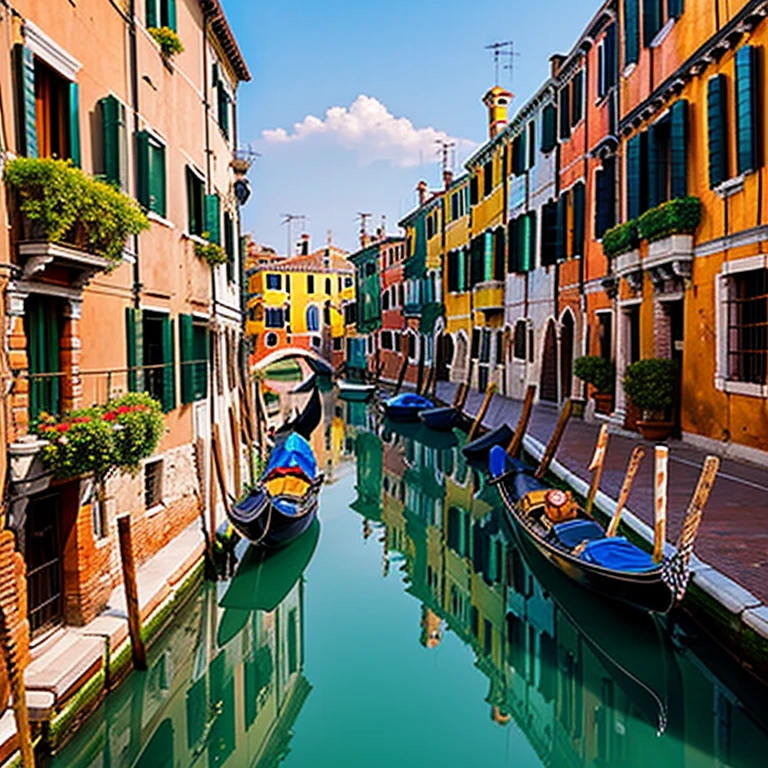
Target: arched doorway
<point x="566" y="355"/>
<point x="548" y="386"/>
<point x="460" y="356"/>
<point x="444" y="356"/>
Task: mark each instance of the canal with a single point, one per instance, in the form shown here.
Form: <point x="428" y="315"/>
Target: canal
<point x="407" y="628"/>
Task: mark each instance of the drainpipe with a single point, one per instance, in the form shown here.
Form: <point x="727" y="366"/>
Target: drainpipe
<point x="135" y="108"/>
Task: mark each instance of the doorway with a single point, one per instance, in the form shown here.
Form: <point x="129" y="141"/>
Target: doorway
<point x="675" y="313"/>
<point x="566" y="356"/>
<point x="44" y="561"/>
<point x="548" y="387"/>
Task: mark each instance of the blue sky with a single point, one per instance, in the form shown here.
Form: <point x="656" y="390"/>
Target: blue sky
<point x="421" y="70"/>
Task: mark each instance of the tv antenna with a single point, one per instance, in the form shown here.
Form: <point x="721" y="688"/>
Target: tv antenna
<point x="443" y="150"/>
<point x="511" y="54"/>
<point x="363" y="219"/>
<point x="288" y="219"/>
<point x="505" y="48"/>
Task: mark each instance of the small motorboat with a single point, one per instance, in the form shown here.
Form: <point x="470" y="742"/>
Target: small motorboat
<point x="283" y="503"/>
<point x="552" y="523"/>
<point x="306" y="422"/>
<point x="353" y="392"/>
<point x="479" y="450"/>
<point x="406" y="407"/>
<point x="441" y="419"/>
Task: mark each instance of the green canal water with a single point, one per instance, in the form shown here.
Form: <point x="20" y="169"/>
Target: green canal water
<point x="408" y="629"/>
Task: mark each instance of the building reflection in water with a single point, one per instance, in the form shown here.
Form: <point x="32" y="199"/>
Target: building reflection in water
<point x="588" y="684"/>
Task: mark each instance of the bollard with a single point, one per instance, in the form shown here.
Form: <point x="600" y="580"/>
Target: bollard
<point x="489" y="391"/>
<point x="513" y="449"/>
<point x="660" y="483"/>
<point x="131" y="592"/>
<point x="626" y="487"/>
<point x="554" y="440"/>
<point x="596" y="467"/>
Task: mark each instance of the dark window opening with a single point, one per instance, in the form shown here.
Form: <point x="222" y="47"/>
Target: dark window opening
<point x="153" y="488"/>
<point x="748" y="327"/>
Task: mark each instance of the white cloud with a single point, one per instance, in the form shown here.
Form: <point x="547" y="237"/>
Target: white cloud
<point x="368" y="127"/>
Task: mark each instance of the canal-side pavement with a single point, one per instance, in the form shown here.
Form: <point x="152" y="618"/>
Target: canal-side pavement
<point x="74" y="667"/>
<point x="729" y="589"/>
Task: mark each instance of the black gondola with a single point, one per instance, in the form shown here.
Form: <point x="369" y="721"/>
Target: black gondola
<point x="479" y="449"/>
<point x="556" y="527"/>
<point x="441" y="419"/>
<point x="306" y="422"/>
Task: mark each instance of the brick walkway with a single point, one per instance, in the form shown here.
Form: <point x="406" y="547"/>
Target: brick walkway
<point x="734" y="533"/>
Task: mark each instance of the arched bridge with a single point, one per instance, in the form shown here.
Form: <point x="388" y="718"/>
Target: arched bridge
<point x="315" y="361"/>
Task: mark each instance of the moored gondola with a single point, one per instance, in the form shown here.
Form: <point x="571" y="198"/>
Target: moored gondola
<point x="306" y="422"/>
<point x="552" y="522"/>
<point x="478" y="450"/>
<point x="406" y="407"/>
<point x="350" y="391"/>
<point x="440" y="419"/>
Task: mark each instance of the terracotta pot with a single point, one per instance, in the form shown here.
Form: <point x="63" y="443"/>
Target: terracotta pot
<point x="603" y="403"/>
<point x="655" y="430"/>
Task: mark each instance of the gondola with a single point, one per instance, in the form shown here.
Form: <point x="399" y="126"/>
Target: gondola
<point x="550" y="521"/>
<point x="306" y="422"/>
<point x="283" y="503"/>
<point x="358" y="393"/>
<point x="307" y="385"/>
<point x="416" y="431"/>
<point x="440" y="419"/>
<point x="406" y="407"/>
<point x="479" y="449"/>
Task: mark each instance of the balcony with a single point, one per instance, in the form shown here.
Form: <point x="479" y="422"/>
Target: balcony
<point x="669" y="260"/>
<point x="489" y="296"/>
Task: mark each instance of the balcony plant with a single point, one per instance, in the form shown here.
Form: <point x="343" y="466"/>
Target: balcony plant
<point x="58" y="203"/>
<point x="600" y="373"/>
<point x="650" y="384"/>
<point x="169" y="42"/>
<point x="620" y="239"/>
<point x="681" y="216"/>
<point x="211" y="252"/>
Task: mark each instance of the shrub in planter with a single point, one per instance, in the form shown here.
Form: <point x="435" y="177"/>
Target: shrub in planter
<point x="650" y="385"/>
<point x="620" y="239"/>
<point x="596" y="371"/>
<point x="137" y="421"/>
<point x="210" y="252"/>
<point x="681" y="216"/>
<point x="169" y="42"/>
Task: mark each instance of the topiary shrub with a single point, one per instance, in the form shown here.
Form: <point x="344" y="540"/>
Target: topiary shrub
<point x="650" y="384"/>
<point x="169" y="42"/>
<point x="681" y="216"/>
<point x="596" y="371"/>
<point x="622" y="238"/>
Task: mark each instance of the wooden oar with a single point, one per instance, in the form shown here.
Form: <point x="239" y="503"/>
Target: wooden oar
<point x="660" y="485"/>
<point x="554" y="441"/>
<point x="626" y="487"/>
<point x="513" y="449"/>
<point x="596" y="467"/>
<point x="489" y="391"/>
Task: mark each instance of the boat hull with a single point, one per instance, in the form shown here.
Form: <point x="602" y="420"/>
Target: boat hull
<point x="358" y="394"/>
<point x="440" y="419"/>
<point x="479" y="449"/>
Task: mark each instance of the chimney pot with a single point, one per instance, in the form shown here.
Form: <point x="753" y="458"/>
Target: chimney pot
<point x="421" y="188"/>
<point x="305" y="245"/>
<point x="555" y="62"/>
<point x="447" y="178"/>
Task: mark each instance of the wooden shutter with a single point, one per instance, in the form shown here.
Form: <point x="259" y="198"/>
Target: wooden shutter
<point x="577" y="103"/>
<point x="169" y="369"/>
<point x="142" y="168"/>
<point x="579" y="215"/>
<point x="561" y="241"/>
<point x="27" y="107"/>
<point x="674" y="9"/>
<point x="609" y="58"/>
<point x="463" y="257"/>
<point x="633" y="177"/>
<point x="565" y="112"/>
<point x="530" y="255"/>
<point x="152" y="19"/>
<point x="74" y="125"/>
<point x="605" y="206"/>
<point x="631" y="31"/>
<point x="746" y="110"/>
<point x="156" y="162"/>
<point x="716" y="122"/>
<point x="512" y="252"/>
<point x="170" y="11"/>
<point x="549" y="234"/>
<point x="523" y="153"/>
<point x="110" y="119"/>
<point x="212" y="218"/>
<point x="499" y="248"/>
<point x="656" y="177"/>
<point x="134" y="331"/>
<point x="678" y="139"/>
<point x="651" y="20"/>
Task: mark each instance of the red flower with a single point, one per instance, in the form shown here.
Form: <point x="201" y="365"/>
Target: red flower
<point x="62" y="427"/>
<point x="81" y="420"/>
<point x="110" y="416"/>
<point x="124" y="409"/>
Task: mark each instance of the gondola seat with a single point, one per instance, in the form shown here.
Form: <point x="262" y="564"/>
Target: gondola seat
<point x="618" y="554"/>
<point x="573" y="532"/>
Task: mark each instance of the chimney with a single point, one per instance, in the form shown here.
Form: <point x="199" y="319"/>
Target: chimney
<point x="421" y="188"/>
<point x="447" y="178"/>
<point x="305" y="245"/>
<point x="327" y="255"/>
<point x="555" y="62"/>
<point x="497" y="100"/>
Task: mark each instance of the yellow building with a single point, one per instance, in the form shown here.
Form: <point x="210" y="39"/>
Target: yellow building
<point x="297" y="305"/>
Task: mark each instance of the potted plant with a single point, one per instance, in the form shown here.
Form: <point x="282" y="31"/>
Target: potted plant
<point x="598" y="372"/>
<point x="650" y="384"/>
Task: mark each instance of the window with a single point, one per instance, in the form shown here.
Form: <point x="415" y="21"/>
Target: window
<point x="531" y="143"/>
<point x="229" y="246"/>
<point x="310" y="283"/>
<point x="271" y="339"/>
<point x="579" y="216"/>
<point x="606" y="62"/>
<point x="327" y="313"/>
<point x="518" y="347"/>
<point x="327" y="286"/>
<point x="474" y="192"/>
<point x="577" y="98"/>
<point x="347" y="282"/>
<point x="153" y="483"/>
<point x="195" y="203"/>
<point x="313" y="318"/>
<point x="605" y="197"/>
<point x="747" y="331"/>
<point x="454" y="206"/>
<point x="631" y="31"/>
<point x="519" y="155"/>
<point x="565" y="111"/>
<point x="338" y="344"/>
<point x="549" y="129"/>
<point x="274" y="282"/>
<point x="42" y="326"/>
<point x="370" y="269"/>
<point x="150" y="159"/>
<point x="274" y="317"/>
<point x="98" y="515"/>
<point x="488" y="178"/>
<point x="549" y="234"/>
<point x="158" y="358"/>
<point x="194" y="345"/>
<point x="398" y="340"/>
<point x="605" y="334"/>
<point x="386" y="340"/>
<point x="412" y="346"/>
<point x="637" y="175"/>
<point x="385" y="300"/>
<point x="223" y="102"/>
<point x="161" y="13"/>
<point x="113" y="165"/>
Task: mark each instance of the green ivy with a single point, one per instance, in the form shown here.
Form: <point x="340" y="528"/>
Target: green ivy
<point x="681" y="216"/>
<point x="651" y="383"/>
<point x="60" y="203"/>
<point x="596" y="371"/>
<point x="622" y="238"/>
<point x="168" y="40"/>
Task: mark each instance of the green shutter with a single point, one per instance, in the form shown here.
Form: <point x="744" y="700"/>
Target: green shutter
<point x="579" y="218"/>
<point x="549" y="129"/>
<point x="512" y="254"/>
<point x="229" y="246"/>
<point x="523" y="153"/>
<point x="134" y="331"/>
<point x="651" y="20"/>
<point x="151" y="16"/>
<point x="561" y="241"/>
<point x="201" y="351"/>
<point x="530" y="254"/>
<point x="674" y="9"/>
<point x="169" y="372"/>
<point x="634" y="171"/>
<point x="746" y="110"/>
<point x="462" y="270"/>
<point x="74" y="125"/>
<point x="27" y="107"/>
<point x="631" y="31"/>
<point x="487" y="245"/>
<point x="577" y="104"/>
<point x="609" y="57"/>
<point x="656" y="176"/>
<point x="718" y="152"/>
<point x="678" y="139"/>
<point x="110" y="116"/>
<point x="170" y="9"/>
<point x="565" y="112"/>
<point x="156" y="174"/>
<point x="187" y="356"/>
<point x="142" y="168"/>
<point x="212" y="218"/>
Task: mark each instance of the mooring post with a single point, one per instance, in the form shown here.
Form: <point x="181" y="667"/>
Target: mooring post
<point x="554" y="441"/>
<point x="596" y="467"/>
<point x="626" y="487"/>
<point x="131" y="592"/>
<point x="516" y="443"/>
<point x="235" y="449"/>
<point x="660" y="485"/>
<point x="489" y="391"/>
<point x="401" y="375"/>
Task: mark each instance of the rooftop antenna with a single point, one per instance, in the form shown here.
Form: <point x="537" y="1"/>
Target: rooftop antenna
<point x="363" y="217"/>
<point x="289" y="218"/>
<point x="499" y="48"/>
<point x="511" y="54"/>
<point x="444" y="150"/>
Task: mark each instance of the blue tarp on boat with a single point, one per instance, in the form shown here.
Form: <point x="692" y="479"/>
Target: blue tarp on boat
<point x="619" y="555"/>
<point x="294" y="451"/>
<point x="409" y="400"/>
<point x="573" y="532"/>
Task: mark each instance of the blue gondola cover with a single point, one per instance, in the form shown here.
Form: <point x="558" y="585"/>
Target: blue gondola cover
<point x="570" y="534"/>
<point x="619" y="555"/>
<point x="294" y="451"/>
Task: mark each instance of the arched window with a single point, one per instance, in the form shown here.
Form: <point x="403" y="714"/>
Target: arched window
<point x="313" y="318"/>
<point x="328" y="286"/>
<point x="521" y="331"/>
